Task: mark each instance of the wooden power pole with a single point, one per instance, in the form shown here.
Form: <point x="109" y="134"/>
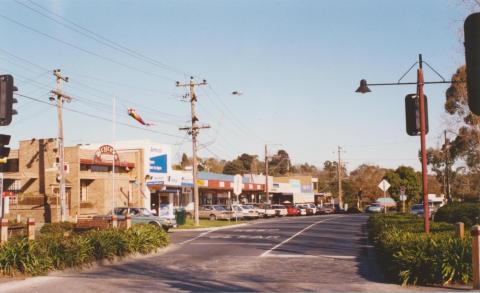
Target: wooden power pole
<point x="339" y="176"/>
<point x="194" y="130"/>
<point x="267" y="195"/>
<point x="60" y="97"/>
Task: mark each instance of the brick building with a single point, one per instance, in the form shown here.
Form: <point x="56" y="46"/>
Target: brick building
<point x="31" y="175"/>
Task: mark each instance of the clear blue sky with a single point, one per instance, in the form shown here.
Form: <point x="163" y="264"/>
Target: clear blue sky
<point x="297" y="63"/>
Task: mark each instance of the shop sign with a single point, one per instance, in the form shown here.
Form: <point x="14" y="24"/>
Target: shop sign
<point x="105" y="153"/>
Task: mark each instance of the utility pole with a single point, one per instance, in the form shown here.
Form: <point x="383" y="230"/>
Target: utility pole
<point x="267" y="195"/>
<point x="194" y="131"/>
<point x="447" y="169"/>
<point x="339" y="176"/>
<point x="61" y="150"/>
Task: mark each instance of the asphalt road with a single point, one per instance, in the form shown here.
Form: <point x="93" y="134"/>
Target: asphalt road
<point x="316" y="253"/>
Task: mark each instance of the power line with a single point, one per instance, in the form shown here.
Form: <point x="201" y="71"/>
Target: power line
<point x="83" y="49"/>
<point x="100" y="118"/>
<point x="99" y="38"/>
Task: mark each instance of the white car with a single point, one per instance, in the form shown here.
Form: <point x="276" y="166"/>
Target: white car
<point x="245" y="211"/>
<point x="308" y="206"/>
<point x="280" y="210"/>
<point x="264" y="210"/>
<point x="303" y="209"/>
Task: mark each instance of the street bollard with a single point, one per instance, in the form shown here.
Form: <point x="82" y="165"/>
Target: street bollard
<point x="3" y="230"/>
<point x="31" y="228"/>
<point x="460" y="230"/>
<point x="114" y="221"/>
<point x="475" y="232"/>
<point x="128" y="221"/>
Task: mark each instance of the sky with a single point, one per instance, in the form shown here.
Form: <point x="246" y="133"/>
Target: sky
<point x="297" y="64"/>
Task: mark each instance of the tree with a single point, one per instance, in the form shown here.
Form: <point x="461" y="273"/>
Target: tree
<point x="406" y="177"/>
<point x="279" y="164"/>
<point x="365" y="179"/>
<point x="466" y="143"/>
<point x="234" y="167"/>
<point x="185" y="161"/>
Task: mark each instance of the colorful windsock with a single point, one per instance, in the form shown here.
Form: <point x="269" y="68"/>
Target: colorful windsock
<point x="137" y="117"/>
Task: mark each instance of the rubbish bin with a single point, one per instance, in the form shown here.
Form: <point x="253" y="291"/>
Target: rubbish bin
<point x="180" y="216"/>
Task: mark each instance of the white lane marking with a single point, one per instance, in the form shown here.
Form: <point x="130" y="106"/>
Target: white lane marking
<point x="195" y="238"/>
<point x="295" y="235"/>
<point x="243" y="237"/>
<point x="256" y="230"/>
<point x="231" y="243"/>
<point x="311" y="256"/>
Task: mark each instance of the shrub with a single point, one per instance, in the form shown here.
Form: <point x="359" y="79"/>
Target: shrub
<point x="409" y="256"/>
<point x="57" y="228"/>
<point x="466" y="212"/>
<point x="55" y="250"/>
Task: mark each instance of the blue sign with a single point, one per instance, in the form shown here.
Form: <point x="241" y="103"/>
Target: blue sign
<point x="158" y="164"/>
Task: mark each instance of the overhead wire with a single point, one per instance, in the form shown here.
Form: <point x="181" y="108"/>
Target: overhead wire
<point x="100" y="117"/>
<point x="99" y="38"/>
<point x="111" y="60"/>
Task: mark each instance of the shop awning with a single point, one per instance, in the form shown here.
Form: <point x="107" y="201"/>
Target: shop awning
<point x="98" y="163"/>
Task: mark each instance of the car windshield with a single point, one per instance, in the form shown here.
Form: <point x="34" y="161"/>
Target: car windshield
<point x="247" y="207"/>
<point x="417" y="207"/>
<point x="140" y="212"/>
<point x="219" y="208"/>
<point x="237" y="208"/>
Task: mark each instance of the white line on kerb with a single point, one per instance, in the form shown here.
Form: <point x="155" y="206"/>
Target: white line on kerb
<point x="295" y="235"/>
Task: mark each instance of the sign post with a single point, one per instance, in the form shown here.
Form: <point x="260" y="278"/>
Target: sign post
<point x="384" y="185"/>
<point x="403" y="198"/>
<point x="1" y="197"/>
<point x="237" y="188"/>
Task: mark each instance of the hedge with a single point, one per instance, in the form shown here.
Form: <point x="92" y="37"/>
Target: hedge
<point x="410" y="256"/>
<point x="466" y="212"/>
<point x="56" y="250"/>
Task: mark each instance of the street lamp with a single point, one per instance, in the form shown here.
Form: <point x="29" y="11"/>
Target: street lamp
<point x="364" y="88"/>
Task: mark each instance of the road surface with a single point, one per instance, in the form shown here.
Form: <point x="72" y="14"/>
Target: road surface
<point x="316" y="253"/>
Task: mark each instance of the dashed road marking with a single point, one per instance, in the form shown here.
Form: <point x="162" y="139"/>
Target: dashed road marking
<point x="232" y="243"/>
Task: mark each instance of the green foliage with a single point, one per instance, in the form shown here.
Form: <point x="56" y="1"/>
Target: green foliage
<point x="412" y="257"/>
<point x="407" y="177"/>
<point x="56" y="250"/>
<point x="57" y="228"/>
<point x="466" y="212"/>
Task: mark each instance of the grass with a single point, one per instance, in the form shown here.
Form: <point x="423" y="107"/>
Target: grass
<point x="204" y="223"/>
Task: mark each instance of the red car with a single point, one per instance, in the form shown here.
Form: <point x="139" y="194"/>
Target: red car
<point x="292" y="211"/>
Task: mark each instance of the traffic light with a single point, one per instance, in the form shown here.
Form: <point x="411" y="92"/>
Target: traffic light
<point x="472" y="56"/>
<point x="6" y="99"/>
<point x="4" y="141"/>
<point x="412" y="114"/>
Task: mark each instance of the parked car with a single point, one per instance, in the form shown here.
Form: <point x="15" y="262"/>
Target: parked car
<point x="293" y="211"/>
<point x="264" y="210"/>
<point x="280" y="210"/>
<point x="374" y="208"/>
<point x="325" y="209"/>
<point x="310" y="208"/>
<point x="417" y="209"/>
<point x="144" y="216"/>
<point x="214" y="212"/>
<point x="246" y="211"/>
<point x="302" y="209"/>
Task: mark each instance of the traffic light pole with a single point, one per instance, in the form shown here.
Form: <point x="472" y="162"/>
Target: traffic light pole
<point x="426" y="206"/>
<point x="420" y="84"/>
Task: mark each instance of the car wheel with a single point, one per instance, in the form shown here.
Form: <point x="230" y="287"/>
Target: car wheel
<point x="213" y="217"/>
<point x="165" y="228"/>
<point x="156" y="224"/>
